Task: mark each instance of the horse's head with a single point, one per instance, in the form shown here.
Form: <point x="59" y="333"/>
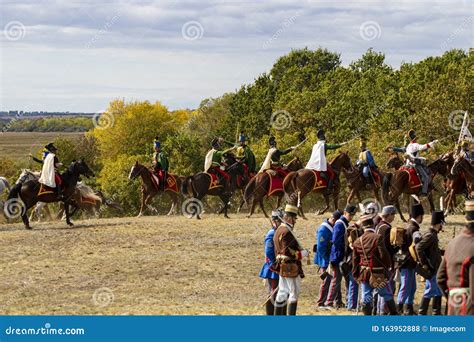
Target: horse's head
<point x="342" y="162"/>
<point x="442" y="165"/>
<point x="295" y="164"/>
<point x="136" y="170"/>
<point x="394" y="161"/>
<point x="81" y="168"/>
<point x="232" y="165"/>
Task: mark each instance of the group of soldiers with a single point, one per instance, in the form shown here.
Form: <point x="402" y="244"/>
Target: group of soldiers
<point x="372" y="256"/>
<point x="365" y="162"/>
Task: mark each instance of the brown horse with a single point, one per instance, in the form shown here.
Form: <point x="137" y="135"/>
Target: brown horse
<point x="298" y="184"/>
<point x="29" y="192"/>
<point x="203" y="183"/>
<point x="259" y="187"/>
<point x="461" y="164"/>
<point x="150" y="190"/>
<point x="397" y="183"/>
<point x="356" y="182"/>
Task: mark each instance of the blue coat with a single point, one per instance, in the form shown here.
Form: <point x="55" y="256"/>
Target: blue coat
<point x="266" y="272"/>
<point x="323" y="241"/>
<point x="338" y="241"/>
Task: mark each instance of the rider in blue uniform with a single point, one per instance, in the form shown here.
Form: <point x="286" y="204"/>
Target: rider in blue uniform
<point x="266" y="272"/>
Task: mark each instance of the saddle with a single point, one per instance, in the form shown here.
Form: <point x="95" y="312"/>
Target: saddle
<point x="170" y="185"/>
<point x="321" y="182"/>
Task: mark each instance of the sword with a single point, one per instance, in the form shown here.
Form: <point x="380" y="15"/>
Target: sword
<point x="270" y="295"/>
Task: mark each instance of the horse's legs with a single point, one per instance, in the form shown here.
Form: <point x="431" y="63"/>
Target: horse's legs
<point x="262" y="206"/>
<point x="252" y="207"/>
<point x="351" y="195"/>
<point x="142" y="206"/>
<point x="430" y="199"/>
<point x="68" y="216"/>
<point x="279" y="201"/>
<point x="359" y="197"/>
<point x="322" y="211"/>
<point x="397" y="205"/>
<point x="174" y="199"/>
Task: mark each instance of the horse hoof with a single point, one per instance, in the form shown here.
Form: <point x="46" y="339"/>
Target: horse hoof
<point x="28" y="227"/>
<point x="227" y="217"/>
<point x="70" y="224"/>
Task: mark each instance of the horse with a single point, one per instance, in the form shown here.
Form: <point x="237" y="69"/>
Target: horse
<point x="4" y="185"/>
<point x="397" y="183"/>
<point x="259" y="187"/>
<point x="356" y="182"/>
<point x="88" y="200"/>
<point x="29" y="192"/>
<point x="299" y="183"/>
<point x="150" y="188"/>
<point x="197" y="186"/>
<point x="462" y="164"/>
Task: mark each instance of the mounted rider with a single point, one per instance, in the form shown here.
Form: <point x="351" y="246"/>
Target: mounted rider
<point x="366" y="162"/>
<point x="49" y="172"/>
<point x="318" y="162"/>
<point x="245" y="155"/>
<point x="465" y="150"/>
<point x="272" y="160"/>
<point x="160" y="163"/>
<point x="414" y="160"/>
<point x="213" y="162"/>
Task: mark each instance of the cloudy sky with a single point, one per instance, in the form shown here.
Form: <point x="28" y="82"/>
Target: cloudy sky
<point x="79" y="55"/>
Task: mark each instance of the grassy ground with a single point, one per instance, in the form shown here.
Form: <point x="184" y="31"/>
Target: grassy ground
<point x="17" y="145"/>
<point x="150" y="265"/>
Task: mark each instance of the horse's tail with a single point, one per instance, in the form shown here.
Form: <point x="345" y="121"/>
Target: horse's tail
<point x="248" y="192"/>
<point x="15" y="191"/>
<point x="387" y="179"/>
<point x="187" y="186"/>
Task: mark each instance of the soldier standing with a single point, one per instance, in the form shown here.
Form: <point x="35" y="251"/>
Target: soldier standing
<point x="323" y="251"/>
<point x="371" y="263"/>
<point x="288" y="263"/>
<point x="406" y="294"/>
<point x="338" y="251"/>
<point x="456" y="273"/>
<point x="429" y="256"/>
<point x="266" y="271"/>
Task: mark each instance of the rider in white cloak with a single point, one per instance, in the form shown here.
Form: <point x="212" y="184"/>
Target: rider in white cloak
<point x="49" y="175"/>
<point x="318" y="161"/>
<point x="272" y="160"/>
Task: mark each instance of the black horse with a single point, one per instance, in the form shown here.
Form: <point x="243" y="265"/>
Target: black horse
<point x="29" y="192"/>
<point x="200" y="185"/>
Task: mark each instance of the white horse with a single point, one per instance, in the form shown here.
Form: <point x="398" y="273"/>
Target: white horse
<point x="25" y="176"/>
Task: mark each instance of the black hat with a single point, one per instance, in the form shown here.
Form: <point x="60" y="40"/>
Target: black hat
<point x="416" y="210"/>
<point x="351" y="209"/>
<point x="50" y="147"/>
<point x="336" y="215"/>
<point x="320" y="135"/>
<point x="272" y="141"/>
<point x="437" y="217"/>
<point x="412" y="134"/>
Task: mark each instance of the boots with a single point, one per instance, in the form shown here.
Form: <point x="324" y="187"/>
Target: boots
<point x="292" y="308"/>
<point x="269" y="308"/>
<point x="328" y="190"/>
<point x="424" y="305"/>
<point x="392" y="308"/>
<point x="410" y="310"/>
<point x="400" y="309"/>
<point x="437" y="306"/>
<point x="367" y="309"/>
<point x="280" y="309"/>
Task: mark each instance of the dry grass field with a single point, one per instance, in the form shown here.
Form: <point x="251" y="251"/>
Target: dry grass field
<point x="17" y="145"/>
<point x="152" y="265"/>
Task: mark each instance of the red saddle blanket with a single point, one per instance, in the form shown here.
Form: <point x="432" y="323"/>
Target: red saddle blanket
<point x="276" y="185"/>
<point x="321" y="182"/>
<point x="214" y="181"/>
<point x="171" y="184"/>
<point x="413" y="178"/>
<point x="376" y="176"/>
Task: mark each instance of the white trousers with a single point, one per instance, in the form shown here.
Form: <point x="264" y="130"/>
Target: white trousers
<point x="288" y="289"/>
